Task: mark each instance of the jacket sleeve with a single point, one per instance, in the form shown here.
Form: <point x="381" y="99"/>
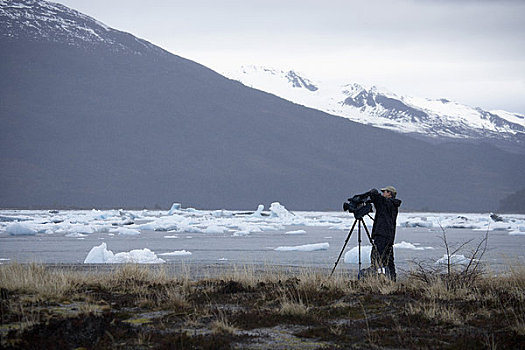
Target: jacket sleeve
<point x="375" y="196"/>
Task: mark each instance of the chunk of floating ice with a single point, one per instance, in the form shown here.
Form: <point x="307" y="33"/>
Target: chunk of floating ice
<point x="75" y="235"/>
<point x="279" y="211"/>
<point x="297" y="232"/>
<point x="101" y="255"/>
<point x="520" y="230"/>
<point x="215" y="229"/>
<point x="222" y="214"/>
<point x="17" y="228"/>
<point x="174" y="207"/>
<point x="454" y="259"/>
<point x="305" y="248"/>
<point x="352" y="256"/>
<point x="176" y="253"/>
<point x="123" y="231"/>
<point x="258" y="212"/>
<point x="407" y="245"/>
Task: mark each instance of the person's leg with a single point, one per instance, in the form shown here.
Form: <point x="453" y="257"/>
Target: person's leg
<point x="391" y="266"/>
<point x="379" y="257"/>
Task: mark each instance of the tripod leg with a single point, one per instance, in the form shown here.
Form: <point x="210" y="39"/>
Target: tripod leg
<point x="344" y="246"/>
<point x="359" y="242"/>
<point x="368" y="233"/>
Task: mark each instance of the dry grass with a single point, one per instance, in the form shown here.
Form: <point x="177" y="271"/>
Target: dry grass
<point x="293" y="308"/>
<point x="372" y="310"/>
<point x="222" y="327"/>
<point x="436" y="312"/>
<point x="37" y="280"/>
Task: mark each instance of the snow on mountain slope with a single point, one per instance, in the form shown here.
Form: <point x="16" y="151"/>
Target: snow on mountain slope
<point x="381" y="108"/>
<point x="37" y="20"/>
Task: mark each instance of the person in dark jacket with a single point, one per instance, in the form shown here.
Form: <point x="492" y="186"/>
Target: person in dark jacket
<point x="384" y="229"/>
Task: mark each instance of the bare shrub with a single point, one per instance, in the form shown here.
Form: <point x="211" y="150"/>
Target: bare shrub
<point x="457" y="277"/>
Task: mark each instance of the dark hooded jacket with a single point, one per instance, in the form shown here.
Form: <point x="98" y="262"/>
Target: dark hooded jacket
<point x="386" y="214"/>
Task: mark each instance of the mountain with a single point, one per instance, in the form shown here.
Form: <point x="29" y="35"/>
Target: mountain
<point x="437" y="119"/>
<point x="94" y="117"/>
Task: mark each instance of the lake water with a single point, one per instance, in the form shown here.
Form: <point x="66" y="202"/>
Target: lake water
<point x="307" y="239"/>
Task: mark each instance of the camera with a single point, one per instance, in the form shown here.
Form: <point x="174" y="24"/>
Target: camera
<point x="359" y="205"/>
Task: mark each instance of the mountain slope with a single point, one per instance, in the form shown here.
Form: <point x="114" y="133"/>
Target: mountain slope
<point x="381" y="108"/>
<point x="125" y="124"/>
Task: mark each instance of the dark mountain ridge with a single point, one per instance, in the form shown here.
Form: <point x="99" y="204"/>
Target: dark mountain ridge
<point x="92" y="126"/>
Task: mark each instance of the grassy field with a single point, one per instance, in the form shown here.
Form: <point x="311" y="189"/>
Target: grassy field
<point x="147" y="307"/>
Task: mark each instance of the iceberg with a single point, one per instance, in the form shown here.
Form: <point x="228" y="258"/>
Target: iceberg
<point x="454" y="259"/>
<point x="16" y="229"/>
<point x="279" y="211"/>
<point x="352" y="256"/>
<point x="174" y="207"/>
<point x="101" y="255"/>
<point x="258" y="212"/>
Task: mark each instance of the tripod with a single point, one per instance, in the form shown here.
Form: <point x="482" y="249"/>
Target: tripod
<point x="360" y="222"/>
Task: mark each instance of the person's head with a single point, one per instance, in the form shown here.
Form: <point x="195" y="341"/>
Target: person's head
<point x="389" y="192"/>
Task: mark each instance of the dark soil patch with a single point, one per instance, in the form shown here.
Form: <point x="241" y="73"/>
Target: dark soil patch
<point x="84" y="331"/>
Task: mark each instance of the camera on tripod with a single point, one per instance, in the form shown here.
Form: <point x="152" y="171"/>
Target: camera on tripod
<point x="360" y="205"/>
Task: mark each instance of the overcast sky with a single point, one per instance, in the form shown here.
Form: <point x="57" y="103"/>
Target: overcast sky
<point x="470" y="51"/>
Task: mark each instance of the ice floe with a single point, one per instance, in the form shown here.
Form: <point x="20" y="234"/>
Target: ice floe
<point x="296" y="232"/>
<point x="235" y="223"/>
<point x="455" y="259"/>
<point x="352" y="256"/>
<point x="176" y="253"/>
<point x="101" y="255"/>
<point x="17" y="228"/>
<point x="76" y="235"/>
<point x="407" y="245"/>
<point x="125" y="231"/>
<point x="304" y="248"/>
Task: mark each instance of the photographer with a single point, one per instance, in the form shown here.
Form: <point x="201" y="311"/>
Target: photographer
<point x="384" y="229"/>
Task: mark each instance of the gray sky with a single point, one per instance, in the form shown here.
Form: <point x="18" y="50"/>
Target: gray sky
<point x="470" y="51"/>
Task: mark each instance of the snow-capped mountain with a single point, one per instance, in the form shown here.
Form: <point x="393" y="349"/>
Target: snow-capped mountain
<point x="382" y="108"/>
<point x="41" y="20"/>
<point x="94" y="117"/>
